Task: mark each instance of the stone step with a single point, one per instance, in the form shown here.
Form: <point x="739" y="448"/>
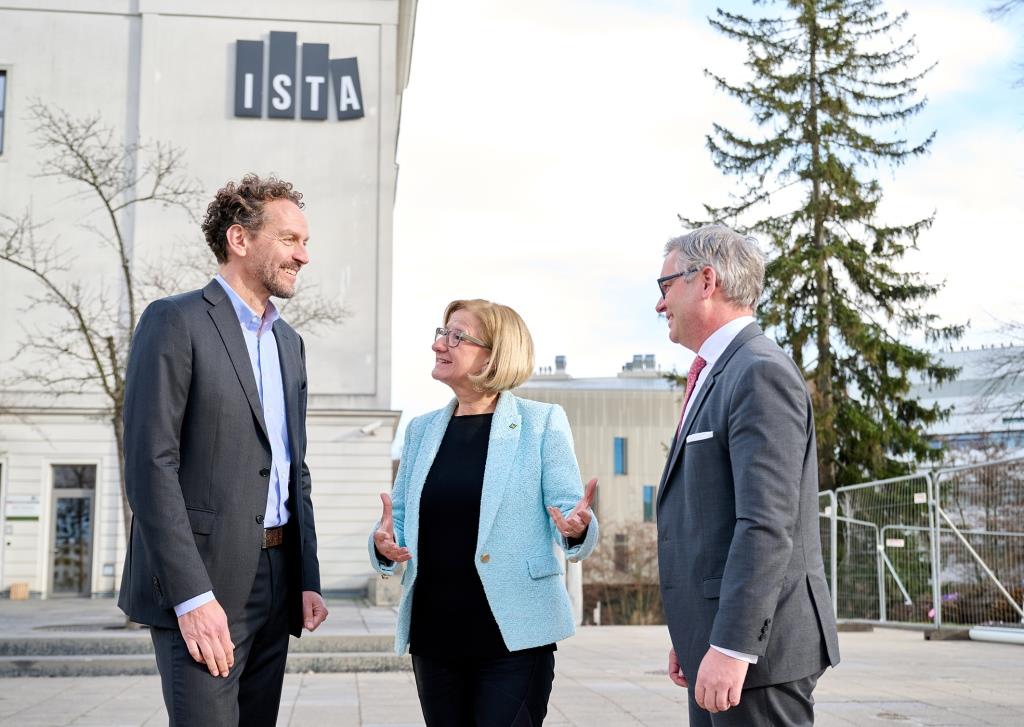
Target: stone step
<point x="140" y="645"/>
<point x="136" y="664"/>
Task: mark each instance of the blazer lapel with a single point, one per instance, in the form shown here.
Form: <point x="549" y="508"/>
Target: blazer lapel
<point x="701" y="396"/>
<point x="501" y="451"/>
<point x="426" y="452"/>
<point x="291" y="364"/>
<point x="223" y="315"/>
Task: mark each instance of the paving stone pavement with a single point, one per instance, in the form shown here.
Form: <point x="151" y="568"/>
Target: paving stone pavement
<point x="606" y="676"/>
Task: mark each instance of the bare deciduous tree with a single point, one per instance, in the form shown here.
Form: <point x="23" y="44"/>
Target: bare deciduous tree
<point x="83" y="347"/>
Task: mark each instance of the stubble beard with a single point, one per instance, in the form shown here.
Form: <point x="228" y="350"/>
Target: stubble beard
<point x="269" y="273"/>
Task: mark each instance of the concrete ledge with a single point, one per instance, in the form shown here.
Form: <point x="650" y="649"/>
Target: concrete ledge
<point x="133" y="665"/>
<point x="947" y="634"/>
<point x="140" y="644"/>
<point x="854" y="626"/>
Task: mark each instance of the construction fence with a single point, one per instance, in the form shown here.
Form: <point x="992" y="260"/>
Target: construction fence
<point x="941" y="549"/>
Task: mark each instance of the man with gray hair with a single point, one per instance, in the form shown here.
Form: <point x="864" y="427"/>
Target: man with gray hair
<point x="742" y="577"/>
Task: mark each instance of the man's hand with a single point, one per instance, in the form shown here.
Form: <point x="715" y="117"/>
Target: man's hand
<point x="206" y="634"/>
<point x="314" y="610"/>
<point x="675" y="672"/>
<point x="719" y="681"/>
<point x="579" y="519"/>
<point x="384" y="537"/>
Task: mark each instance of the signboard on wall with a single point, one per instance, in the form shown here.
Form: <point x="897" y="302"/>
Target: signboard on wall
<point x="22" y="507"/>
<point x="319" y="89"/>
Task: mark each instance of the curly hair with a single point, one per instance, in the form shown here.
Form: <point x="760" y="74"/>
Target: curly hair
<point x="242" y="203"/>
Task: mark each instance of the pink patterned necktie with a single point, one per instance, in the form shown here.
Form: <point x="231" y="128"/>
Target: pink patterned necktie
<point x="691" y="381"/>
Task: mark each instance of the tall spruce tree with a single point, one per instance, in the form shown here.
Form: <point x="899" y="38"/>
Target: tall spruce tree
<point x="828" y="77"/>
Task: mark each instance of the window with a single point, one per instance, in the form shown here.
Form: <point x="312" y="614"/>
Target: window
<point x="620" y="456"/>
<point x="74" y="476"/>
<point x="621" y="555"/>
<point x="648" y="503"/>
<point x="3" y="96"/>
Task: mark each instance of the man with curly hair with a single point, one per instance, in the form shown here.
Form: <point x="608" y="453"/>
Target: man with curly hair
<point x="221" y="561"/>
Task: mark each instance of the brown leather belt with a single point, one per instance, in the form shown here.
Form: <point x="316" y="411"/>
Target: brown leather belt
<point x="273" y="537"/>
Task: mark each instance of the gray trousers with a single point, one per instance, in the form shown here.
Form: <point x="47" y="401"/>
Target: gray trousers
<point x="779" y="705"/>
<point x="251" y="693"/>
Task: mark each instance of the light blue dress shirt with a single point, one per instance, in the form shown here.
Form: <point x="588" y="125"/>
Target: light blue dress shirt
<point x="266" y="369"/>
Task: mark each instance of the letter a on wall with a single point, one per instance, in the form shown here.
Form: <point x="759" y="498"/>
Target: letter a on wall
<point x="348" y="94"/>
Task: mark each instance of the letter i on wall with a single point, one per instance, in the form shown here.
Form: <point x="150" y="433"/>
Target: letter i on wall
<point x="249" y="78"/>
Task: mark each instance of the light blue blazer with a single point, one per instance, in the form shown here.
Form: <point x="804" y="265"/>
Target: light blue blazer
<point x="530" y="465"/>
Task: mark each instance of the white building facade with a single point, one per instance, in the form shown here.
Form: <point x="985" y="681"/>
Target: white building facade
<point x="308" y="90"/>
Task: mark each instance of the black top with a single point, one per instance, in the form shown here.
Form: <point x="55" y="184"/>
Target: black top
<point x="450" y="614"/>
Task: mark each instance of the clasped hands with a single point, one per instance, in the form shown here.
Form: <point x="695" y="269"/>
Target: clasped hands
<point x="719" y="683"/>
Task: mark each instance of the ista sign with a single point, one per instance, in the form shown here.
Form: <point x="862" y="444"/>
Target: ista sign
<point x="288" y="87"/>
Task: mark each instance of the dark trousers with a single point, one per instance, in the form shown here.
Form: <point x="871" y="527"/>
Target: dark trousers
<point x="780" y="705"/>
<point x="251" y="693"/>
<point x="508" y="691"/>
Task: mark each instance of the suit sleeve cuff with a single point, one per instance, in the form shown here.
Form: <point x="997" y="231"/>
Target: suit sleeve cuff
<point x="749" y="658"/>
<point x="193" y="603"/>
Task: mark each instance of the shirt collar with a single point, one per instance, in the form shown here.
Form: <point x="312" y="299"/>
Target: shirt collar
<point x="718" y="341"/>
<point x="246" y="315"/>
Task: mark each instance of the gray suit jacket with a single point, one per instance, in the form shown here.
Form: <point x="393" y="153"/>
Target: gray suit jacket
<point x="738" y="541"/>
<point x="197" y="461"/>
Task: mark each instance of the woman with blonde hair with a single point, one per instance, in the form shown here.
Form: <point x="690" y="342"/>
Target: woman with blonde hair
<point x="484" y="487"/>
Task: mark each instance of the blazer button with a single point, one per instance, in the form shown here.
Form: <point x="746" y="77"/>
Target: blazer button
<point x="265" y="472"/>
<point x="485" y="558"/>
<point x="259" y="519"/>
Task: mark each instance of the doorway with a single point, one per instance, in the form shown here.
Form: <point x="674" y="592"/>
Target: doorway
<point x="73" y="516"/>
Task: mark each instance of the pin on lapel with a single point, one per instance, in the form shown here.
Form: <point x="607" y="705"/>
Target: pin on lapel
<point x="513" y="425"/>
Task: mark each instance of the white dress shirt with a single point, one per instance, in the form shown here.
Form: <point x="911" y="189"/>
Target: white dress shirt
<point x="711" y="350"/>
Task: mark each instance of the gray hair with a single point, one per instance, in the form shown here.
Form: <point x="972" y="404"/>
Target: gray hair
<point x="735" y="258"/>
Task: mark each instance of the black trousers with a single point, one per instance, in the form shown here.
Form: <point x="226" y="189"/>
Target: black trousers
<point x="780" y="705"/>
<point x="251" y="693"/>
<point x="508" y="691"/>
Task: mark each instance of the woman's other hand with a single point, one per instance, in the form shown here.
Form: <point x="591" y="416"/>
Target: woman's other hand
<point x="384" y="537"/>
<point x="576" y="524"/>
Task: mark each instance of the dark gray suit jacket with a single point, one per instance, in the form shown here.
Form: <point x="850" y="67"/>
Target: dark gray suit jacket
<point x="197" y="461"/>
<point x="738" y="541"/>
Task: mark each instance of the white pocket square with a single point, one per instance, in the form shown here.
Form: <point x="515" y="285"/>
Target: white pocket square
<point x="698" y="436"/>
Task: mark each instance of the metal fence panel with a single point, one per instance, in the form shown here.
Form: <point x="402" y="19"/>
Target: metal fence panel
<point x="981" y="543"/>
<point x="884" y="551"/>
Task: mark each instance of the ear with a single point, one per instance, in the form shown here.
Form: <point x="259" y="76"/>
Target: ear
<point x="238" y="241"/>
<point x="709" y="282"/>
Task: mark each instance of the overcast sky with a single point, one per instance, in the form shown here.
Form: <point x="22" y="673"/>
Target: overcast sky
<point x="547" y="147"/>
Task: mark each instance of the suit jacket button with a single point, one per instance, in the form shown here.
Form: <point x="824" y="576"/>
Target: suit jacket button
<point x="259" y="519"/>
<point x="265" y="472"/>
<point x="485" y="558"/>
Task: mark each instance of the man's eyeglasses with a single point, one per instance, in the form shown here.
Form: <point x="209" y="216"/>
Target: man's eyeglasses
<point x="453" y="337"/>
<point x="663" y="289"/>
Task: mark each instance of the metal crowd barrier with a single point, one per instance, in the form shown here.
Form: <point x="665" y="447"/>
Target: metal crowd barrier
<point x="946" y="548"/>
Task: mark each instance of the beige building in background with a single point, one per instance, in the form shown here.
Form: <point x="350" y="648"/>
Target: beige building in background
<point x="165" y="70"/>
<point x="622" y="426"/>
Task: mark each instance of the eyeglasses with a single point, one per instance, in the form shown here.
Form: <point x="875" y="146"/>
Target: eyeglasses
<point x="663" y="289"/>
<point x="453" y="337"/>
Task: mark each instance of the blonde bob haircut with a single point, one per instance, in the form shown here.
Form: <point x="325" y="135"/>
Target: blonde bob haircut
<point x="501" y="328"/>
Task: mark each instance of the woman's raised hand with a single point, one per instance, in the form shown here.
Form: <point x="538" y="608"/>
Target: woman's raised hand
<point x="579" y="519"/>
<point x="384" y="537"/>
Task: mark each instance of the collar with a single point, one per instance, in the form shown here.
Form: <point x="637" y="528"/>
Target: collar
<point x="246" y="315"/>
<point x="718" y="341"/>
